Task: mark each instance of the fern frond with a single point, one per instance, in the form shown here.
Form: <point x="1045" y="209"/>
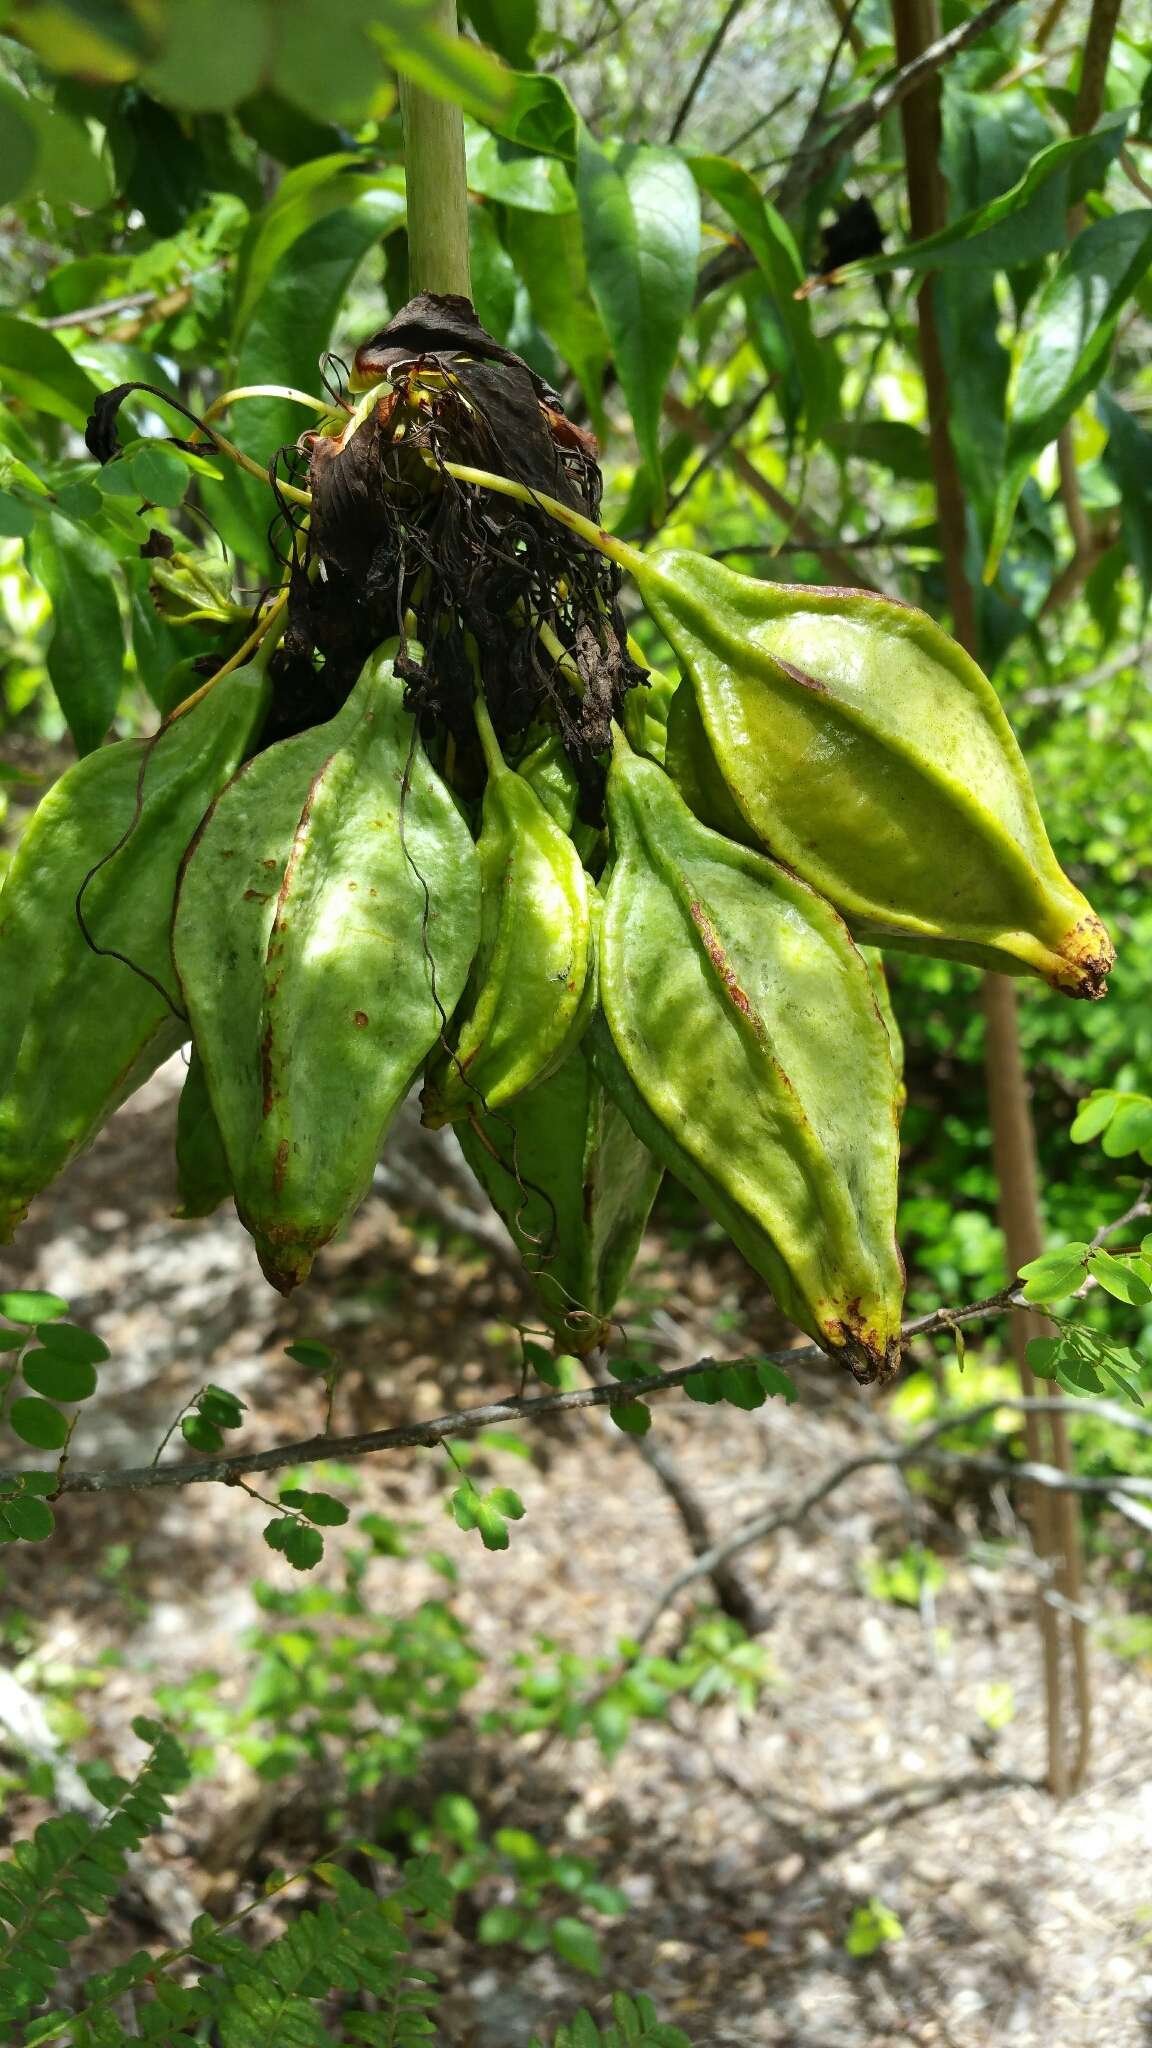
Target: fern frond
<point x="634" y="2025"/>
<point x="71" y="1870"/>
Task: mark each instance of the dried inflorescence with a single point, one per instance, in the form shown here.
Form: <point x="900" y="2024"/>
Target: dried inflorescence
<point x="487" y="587"/>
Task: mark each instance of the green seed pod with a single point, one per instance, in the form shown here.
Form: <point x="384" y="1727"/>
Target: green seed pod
<point x="327" y="918"/>
<point x="547" y="769"/>
<point x="864" y="747"/>
<point x="575" y="1186"/>
<point x="201" y="1162"/>
<point x="877" y="975"/>
<point x="532" y="968"/>
<point x="80" y="1030"/>
<point x="740" y="1035"/>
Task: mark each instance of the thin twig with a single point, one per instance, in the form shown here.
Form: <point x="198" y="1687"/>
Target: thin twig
<point x="919" y="1451"/>
<point x="429" y="1435"/>
<point x="711" y="53"/>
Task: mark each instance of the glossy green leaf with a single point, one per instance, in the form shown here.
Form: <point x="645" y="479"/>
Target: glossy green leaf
<point x="640" y="210"/>
<point x="1118" y="1278"/>
<point x="30" y="1521"/>
<point x="507" y="26"/>
<point x="773" y="245"/>
<point x="1130" y="1129"/>
<point x="539" y="115"/>
<point x="27" y="1305"/>
<point x="37" y="368"/>
<point x="1067" y="346"/>
<point x="1020" y="225"/>
<point x="86" y="650"/>
<point x="493" y="273"/>
<point x="298" y="1542"/>
<point x="39" y="1423"/>
<point x="520" y="178"/>
<point x="320" y="1508"/>
<point x="79" y="1347"/>
<point x="1054" y="1275"/>
<point x="19" y="143"/>
<point x="548" y="251"/>
<point x="201" y="1434"/>
<point x="1094" y="1116"/>
<point x="59" y="1379"/>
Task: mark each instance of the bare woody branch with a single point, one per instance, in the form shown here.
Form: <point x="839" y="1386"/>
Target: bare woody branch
<point x="229" y="1469"/>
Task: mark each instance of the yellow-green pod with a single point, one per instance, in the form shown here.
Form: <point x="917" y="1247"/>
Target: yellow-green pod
<point x="89" y="1002"/>
<point x="574" y="1185"/>
<point x="327" y="918"/>
<point x="865" y="749"/>
<point x="532" y="968"/>
<point x="741" y="1037"/>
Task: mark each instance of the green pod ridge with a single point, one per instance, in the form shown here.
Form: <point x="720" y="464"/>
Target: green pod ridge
<point x="547" y="770"/>
<point x="202" y="1176"/>
<point x="327" y="918"/>
<point x="79" y="1029"/>
<point x="574" y="1187"/>
<point x="878" y="976"/>
<point x="532" y="969"/>
<point x="740" y="1035"/>
<point x="866" y="750"/>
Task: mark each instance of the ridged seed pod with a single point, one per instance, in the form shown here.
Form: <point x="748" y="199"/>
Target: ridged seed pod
<point x="81" y="1029"/>
<point x="741" y="1036"/>
<point x="327" y="918"/>
<point x="863" y="747"/>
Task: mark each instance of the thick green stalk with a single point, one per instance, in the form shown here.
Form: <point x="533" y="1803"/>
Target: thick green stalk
<point x="436" y="182"/>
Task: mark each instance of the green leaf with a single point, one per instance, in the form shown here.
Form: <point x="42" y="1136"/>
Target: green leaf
<point x="491" y="1525"/>
<point x="774" y="1379"/>
<point x="69" y="171"/>
<point x="1075" y="1374"/>
<point x="317" y="1356"/>
<point x="287" y="331"/>
<point x="37" y="1422"/>
<point x="1130" y="1129"/>
<point x="640" y="210"/>
<point x="1042" y="1353"/>
<point x="37" y="368"/>
<point x="1119" y="1278"/>
<point x="741" y="1386"/>
<point x="1019" y="226"/>
<point x="1094" y="1115"/>
<point x="577" y="1944"/>
<point x="539" y="115"/>
<point x="499" y="1924"/>
<point x="1066" y="348"/>
<point x="507" y="26"/>
<point x="61" y="1379"/>
<point x="1128" y="461"/>
<point x="31" y="1521"/>
<point x="1056" y="1274"/>
<point x="219" y="1406"/>
<point x="321" y="1508"/>
<point x="302" y="1545"/>
<point x="78" y="1347"/>
<point x="548" y="251"/>
<point x="17" y="517"/>
<point x="86" y="651"/>
<point x="201" y="1435"/>
<point x="493" y="274"/>
<point x="773" y="245"/>
<point x="633" y="1417"/>
<point x="519" y="178"/>
<point x="19" y="143"/>
<point x="506" y="1502"/>
<point x="26" y="1305"/>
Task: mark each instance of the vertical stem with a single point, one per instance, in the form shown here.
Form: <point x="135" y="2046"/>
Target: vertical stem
<point x="436" y="182"/>
<point x="917" y="24"/>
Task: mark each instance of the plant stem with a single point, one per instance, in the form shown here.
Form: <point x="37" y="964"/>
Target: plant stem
<point x="436" y="182"/>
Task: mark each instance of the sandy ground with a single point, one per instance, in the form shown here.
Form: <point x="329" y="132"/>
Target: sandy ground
<point x="745" y="1841"/>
